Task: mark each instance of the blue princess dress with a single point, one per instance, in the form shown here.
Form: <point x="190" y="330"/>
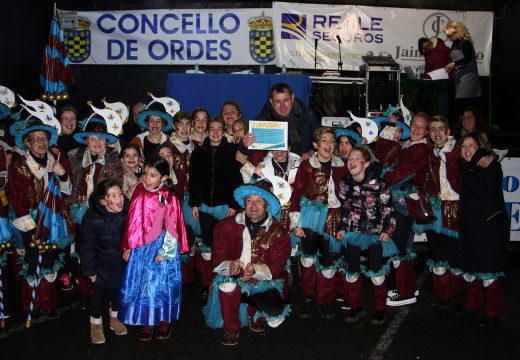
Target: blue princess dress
<point x="151" y="291"/>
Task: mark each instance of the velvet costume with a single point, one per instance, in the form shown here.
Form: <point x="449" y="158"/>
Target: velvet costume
<point x="31" y="181"/>
<point x="442" y="189"/>
<point x="268" y="250"/>
<point x="315" y="207"/>
<point x="151" y="291"/>
<point x="405" y="178"/>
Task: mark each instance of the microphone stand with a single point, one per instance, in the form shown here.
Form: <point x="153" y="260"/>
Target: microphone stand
<point x="340" y="63"/>
<point x="315" y="53"/>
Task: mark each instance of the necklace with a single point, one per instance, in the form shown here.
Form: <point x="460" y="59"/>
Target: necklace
<point x="153" y="141"/>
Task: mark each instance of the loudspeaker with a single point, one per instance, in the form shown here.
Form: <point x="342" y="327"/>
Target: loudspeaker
<point x="382" y="90"/>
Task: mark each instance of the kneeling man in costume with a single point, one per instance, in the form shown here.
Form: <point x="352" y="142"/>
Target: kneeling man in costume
<point x="249" y="254"/>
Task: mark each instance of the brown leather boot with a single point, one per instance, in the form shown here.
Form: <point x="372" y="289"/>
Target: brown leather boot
<point x="117" y="326"/>
<point x="97" y="335"/>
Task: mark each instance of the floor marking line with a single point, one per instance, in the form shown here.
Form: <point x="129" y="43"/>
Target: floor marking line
<point x="392" y="329"/>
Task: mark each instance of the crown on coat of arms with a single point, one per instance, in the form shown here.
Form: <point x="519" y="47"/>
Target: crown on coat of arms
<point x="261" y="22"/>
<point x="83" y="23"/>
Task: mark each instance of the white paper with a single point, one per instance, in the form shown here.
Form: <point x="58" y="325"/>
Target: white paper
<point x="439" y="74"/>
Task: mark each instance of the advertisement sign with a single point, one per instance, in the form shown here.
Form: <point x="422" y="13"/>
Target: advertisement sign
<point x="305" y="31"/>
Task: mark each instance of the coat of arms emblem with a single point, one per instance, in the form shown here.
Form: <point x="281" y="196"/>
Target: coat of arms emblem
<point x="261" y="39"/>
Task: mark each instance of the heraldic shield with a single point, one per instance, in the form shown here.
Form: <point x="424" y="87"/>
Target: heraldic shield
<point x="78" y="45"/>
<point x="261" y="45"/>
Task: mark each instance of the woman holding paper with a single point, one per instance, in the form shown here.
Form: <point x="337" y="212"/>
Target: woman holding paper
<point x="436" y="54"/>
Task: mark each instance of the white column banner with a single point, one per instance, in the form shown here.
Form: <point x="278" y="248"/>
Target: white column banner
<point x="175" y="36"/>
<point x="303" y="31"/>
<point x="511" y="187"/>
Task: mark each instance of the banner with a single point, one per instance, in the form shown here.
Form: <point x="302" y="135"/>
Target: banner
<point x="300" y="29"/>
<point x="511" y="188"/>
<point x="175" y="36"/>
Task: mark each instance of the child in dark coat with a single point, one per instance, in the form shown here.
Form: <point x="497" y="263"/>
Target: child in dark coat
<point x="101" y="260"/>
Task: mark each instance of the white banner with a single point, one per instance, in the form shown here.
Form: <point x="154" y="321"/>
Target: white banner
<point x="299" y="28"/>
<point x="511" y="187"/>
<point x="176" y="36"/>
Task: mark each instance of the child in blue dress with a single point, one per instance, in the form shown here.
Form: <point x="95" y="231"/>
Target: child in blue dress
<point x="153" y="240"/>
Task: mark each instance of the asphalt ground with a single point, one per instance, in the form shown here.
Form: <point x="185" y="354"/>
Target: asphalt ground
<point x="418" y="331"/>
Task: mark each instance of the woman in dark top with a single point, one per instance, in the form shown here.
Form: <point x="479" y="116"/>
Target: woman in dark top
<point x="464" y="65"/>
<point x="483" y="230"/>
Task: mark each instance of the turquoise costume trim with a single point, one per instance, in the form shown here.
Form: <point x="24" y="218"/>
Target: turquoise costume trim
<point x="212" y="311"/>
<point x="433" y="264"/>
<point x="437" y="225"/>
<point x="363" y="241"/>
<point x="313" y="215"/>
<point x="218" y="212"/>
<point x="285" y="313"/>
<point x="398" y="195"/>
<point x="489" y="276"/>
<point x="410" y="256"/>
<point x="185" y="258"/>
<point x="78" y="211"/>
<point x="3" y="259"/>
<point x="58" y="264"/>
<point x="385" y="270"/>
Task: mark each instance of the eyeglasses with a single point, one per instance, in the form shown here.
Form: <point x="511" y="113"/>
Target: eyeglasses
<point x="39" y="139"/>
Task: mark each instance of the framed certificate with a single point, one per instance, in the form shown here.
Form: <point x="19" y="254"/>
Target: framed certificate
<point x="270" y="135"/>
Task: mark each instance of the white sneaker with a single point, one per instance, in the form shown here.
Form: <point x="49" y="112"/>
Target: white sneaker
<point x="394" y="292"/>
<point x="398" y="300"/>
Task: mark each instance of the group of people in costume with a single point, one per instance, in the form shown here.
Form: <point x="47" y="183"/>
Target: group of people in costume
<point x="133" y="218"/>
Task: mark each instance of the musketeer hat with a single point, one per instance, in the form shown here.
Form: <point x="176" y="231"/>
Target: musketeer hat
<point x="41" y="118"/>
<point x="107" y="124"/>
<point x="262" y="189"/>
<point x="20" y="129"/>
<point x="155" y="107"/>
<point x="356" y="139"/>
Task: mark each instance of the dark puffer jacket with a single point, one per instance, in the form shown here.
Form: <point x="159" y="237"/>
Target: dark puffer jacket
<point x="100" y="235"/>
<point x="302" y="124"/>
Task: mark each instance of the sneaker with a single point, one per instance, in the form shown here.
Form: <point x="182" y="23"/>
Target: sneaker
<point x="398" y="300"/>
<point x="393" y="292"/>
<point x="50" y="314"/>
<point x="326" y="312"/>
<point x="66" y="284"/>
<point x="146" y="333"/>
<point x="355" y="314"/>
<point x="164" y="331"/>
<point x="379" y="317"/>
<point x="230" y="338"/>
<point x="306" y="308"/>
